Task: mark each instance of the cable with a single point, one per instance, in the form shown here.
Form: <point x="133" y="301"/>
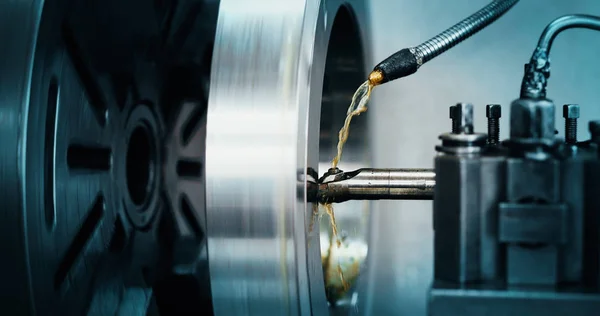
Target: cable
<point x="537" y="71"/>
<point x="406" y="61"/>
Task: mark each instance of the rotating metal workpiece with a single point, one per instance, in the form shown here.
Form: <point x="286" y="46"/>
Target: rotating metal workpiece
<point x="263" y="144"/>
<point x="103" y="105"/>
<point x="110" y="206"/>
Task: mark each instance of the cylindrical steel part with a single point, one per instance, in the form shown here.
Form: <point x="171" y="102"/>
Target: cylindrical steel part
<point x="381" y="184"/>
<point x="267" y="76"/>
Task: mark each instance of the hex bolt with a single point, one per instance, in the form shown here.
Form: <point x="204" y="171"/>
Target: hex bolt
<point x="454" y="118"/>
<point x="571" y="114"/>
<point x="493" y="112"/>
<point x="594" y="127"/>
<point x="464" y="116"/>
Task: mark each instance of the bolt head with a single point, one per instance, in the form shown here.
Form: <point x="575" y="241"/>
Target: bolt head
<point x="493" y="111"/>
<point x="464" y="113"/>
<point x="594" y="128"/>
<point x="531" y="118"/>
<point x="571" y="111"/>
<point x="453" y="112"/>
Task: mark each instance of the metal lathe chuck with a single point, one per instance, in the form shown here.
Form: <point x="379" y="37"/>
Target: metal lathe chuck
<point x="102" y="120"/>
<point x="146" y="143"/>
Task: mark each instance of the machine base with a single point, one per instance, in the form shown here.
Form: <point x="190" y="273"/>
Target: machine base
<point x="474" y="300"/>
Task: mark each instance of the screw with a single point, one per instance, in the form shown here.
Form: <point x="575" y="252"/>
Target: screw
<point x="464" y="118"/>
<point x="493" y="112"/>
<point x="594" y="127"/>
<point x="571" y="114"/>
<point x="455" y="119"/>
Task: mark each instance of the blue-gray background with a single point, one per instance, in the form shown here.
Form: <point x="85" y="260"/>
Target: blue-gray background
<point x="407" y="116"/>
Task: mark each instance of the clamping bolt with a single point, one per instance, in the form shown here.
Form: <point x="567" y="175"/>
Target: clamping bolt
<point x="464" y="113"/>
<point x="571" y="114"/>
<point x="462" y="118"/>
<point x="493" y="113"/>
<point x="454" y="118"/>
<point x="594" y="127"/>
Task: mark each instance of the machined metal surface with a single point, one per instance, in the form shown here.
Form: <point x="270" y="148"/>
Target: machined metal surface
<point x="464" y="116"/>
<point x="476" y="300"/>
<point x="532" y="119"/>
<point x="378" y="184"/>
<point x="343" y="73"/>
<point x="89" y="92"/>
<point x="263" y="131"/>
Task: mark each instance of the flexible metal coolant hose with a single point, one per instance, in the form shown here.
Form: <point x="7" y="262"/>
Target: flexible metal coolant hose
<point x="406" y="61"/>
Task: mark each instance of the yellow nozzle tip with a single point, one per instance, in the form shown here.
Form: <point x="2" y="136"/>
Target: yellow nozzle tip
<point x="375" y="77"/>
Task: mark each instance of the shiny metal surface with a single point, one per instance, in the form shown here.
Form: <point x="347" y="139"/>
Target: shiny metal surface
<point x="263" y="131"/>
<point x="352" y="219"/>
<point x="343" y="74"/>
<point x="379" y="184"/>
